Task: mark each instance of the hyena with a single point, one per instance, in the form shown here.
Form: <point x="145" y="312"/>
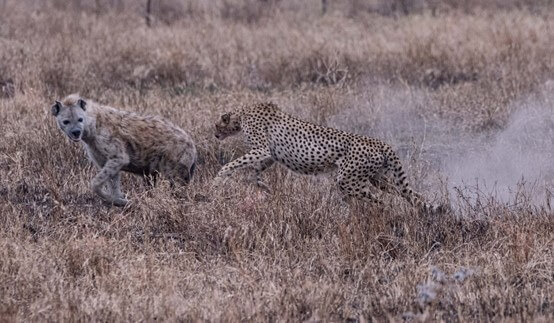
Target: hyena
<point x="124" y="141"/>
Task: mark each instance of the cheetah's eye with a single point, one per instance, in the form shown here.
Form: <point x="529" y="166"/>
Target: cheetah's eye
<point x="65" y="122"/>
<point x="226" y="118"/>
<point x="80" y="120"/>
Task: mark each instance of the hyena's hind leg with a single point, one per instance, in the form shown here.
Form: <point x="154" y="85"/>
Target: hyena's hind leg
<point x="180" y="173"/>
<point x="179" y="176"/>
<point x="185" y="171"/>
<point x="179" y="168"/>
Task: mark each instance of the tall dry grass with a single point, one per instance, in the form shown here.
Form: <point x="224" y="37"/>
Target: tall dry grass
<point x="437" y="84"/>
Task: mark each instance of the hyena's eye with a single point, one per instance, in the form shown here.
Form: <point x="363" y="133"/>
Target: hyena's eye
<point x="65" y="122"/>
<point x="80" y="120"/>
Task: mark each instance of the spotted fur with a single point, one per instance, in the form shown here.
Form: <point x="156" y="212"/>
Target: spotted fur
<point x="117" y="141"/>
<point x="274" y="136"/>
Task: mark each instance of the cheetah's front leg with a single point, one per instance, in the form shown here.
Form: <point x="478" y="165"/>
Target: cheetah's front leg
<point x="260" y="160"/>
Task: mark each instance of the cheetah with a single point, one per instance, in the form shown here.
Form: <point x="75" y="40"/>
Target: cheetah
<point x="123" y="141"/>
<point x="307" y="148"/>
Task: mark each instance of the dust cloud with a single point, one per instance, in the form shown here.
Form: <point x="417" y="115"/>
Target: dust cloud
<point x="512" y="163"/>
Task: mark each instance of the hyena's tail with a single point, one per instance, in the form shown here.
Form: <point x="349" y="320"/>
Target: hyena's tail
<point x="191" y="170"/>
<point x="187" y="163"/>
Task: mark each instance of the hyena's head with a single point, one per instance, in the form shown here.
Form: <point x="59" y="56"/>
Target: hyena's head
<point x="71" y="118"/>
<point x="227" y="125"/>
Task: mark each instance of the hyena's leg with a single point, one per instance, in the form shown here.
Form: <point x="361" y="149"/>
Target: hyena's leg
<point x="111" y="168"/>
<point x="259" y="160"/>
<point x="181" y="174"/>
<point x="115" y="183"/>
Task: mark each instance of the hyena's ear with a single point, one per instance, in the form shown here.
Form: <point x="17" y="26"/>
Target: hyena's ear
<point x="56" y="108"/>
<point x="226" y="117"/>
<point x="82" y="103"/>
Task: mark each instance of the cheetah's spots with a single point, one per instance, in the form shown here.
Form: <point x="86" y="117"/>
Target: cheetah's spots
<point x="307" y="148"/>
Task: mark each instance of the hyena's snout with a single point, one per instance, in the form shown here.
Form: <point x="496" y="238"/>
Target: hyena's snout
<point x="75" y="134"/>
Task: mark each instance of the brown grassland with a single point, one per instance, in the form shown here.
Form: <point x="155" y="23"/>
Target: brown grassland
<point x="438" y="80"/>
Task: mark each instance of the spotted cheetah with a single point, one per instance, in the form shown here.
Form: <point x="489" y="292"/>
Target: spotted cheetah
<point x="307" y="148"/>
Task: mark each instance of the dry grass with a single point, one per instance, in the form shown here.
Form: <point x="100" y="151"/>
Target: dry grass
<point x="435" y="84"/>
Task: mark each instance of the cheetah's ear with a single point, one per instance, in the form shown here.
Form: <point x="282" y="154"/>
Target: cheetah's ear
<point x="82" y="103"/>
<point x="226" y="117"/>
<point x="56" y="108"/>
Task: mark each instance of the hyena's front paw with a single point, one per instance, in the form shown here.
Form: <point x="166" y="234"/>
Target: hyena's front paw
<point x="120" y="201"/>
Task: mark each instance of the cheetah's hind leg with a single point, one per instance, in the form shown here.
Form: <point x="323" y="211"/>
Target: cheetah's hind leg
<point x="352" y="184"/>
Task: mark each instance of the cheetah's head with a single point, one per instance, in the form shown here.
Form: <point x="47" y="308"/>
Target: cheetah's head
<point x="227" y="125"/>
<point x="71" y="117"/>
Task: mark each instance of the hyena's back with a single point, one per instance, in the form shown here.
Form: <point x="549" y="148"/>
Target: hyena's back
<point x="152" y="143"/>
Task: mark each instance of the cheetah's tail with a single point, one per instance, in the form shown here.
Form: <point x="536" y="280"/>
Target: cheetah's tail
<point x="400" y="181"/>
